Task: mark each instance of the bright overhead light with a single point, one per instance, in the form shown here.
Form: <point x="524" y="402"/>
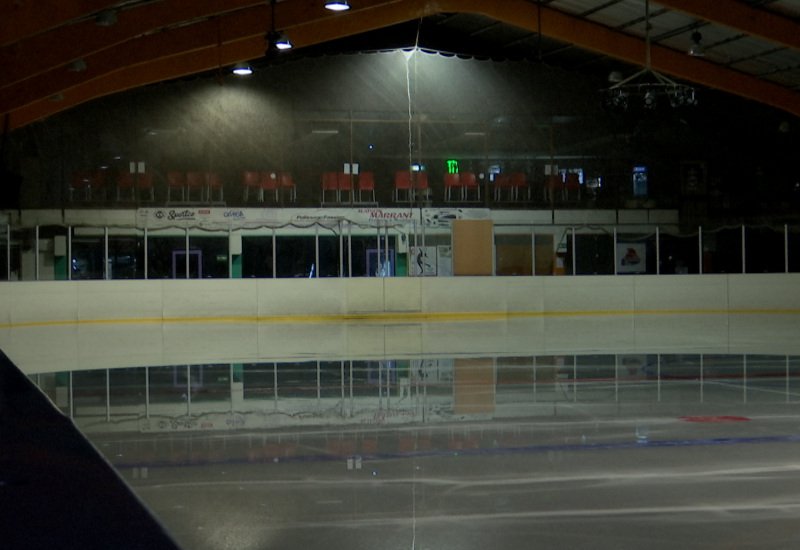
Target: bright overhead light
<point x="242" y="69"/>
<point x="337" y="6"/>
<point x="277" y="40"/>
<point x="282" y="41"/>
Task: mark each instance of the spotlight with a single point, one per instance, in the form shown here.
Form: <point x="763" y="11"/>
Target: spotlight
<point x="697" y="49"/>
<point x="677" y="98"/>
<point x="242" y="69"/>
<point x="650" y="100"/>
<point x="337" y="6"/>
<point x="616" y="100"/>
<point x="620" y="99"/>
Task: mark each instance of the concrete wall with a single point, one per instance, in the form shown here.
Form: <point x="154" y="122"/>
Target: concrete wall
<point x="92" y="324"/>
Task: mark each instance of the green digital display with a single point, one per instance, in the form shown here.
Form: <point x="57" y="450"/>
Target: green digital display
<point x="452" y="166"/>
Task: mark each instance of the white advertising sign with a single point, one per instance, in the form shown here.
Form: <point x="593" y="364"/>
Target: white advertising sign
<point x="232" y="218"/>
<point x="631" y="258"/>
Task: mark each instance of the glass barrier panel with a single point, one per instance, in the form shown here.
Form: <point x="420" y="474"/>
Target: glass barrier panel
<point x="514" y="255"/>
<point x="329" y="258"/>
<point x="357" y="255"/>
<point x="765" y="250"/>
<point x="594" y="254"/>
<point x="679" y="254"/>
<point x="88" y="256"/>
<point x="5" y="242"/>
<point x="722" y="250"/>
<point x="126" y="257"/>
<point x="257" y="257"/>
<point x="209" y="257"/>
<point x="166" y="257"/>
<point x="296" y="257"/>
<point x="793" y="246"/>
<point x="545" y="254"/>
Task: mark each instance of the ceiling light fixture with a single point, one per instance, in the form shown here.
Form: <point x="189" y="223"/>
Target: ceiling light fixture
<point x="281" y="41"/>
<point x="647" y="84"/>
<point x="276" y="40"/>
<point x="242" y="69"/>
<point x="649" y="99"/>
<point x="337" y="6"/>
<point x="697" y="49"/>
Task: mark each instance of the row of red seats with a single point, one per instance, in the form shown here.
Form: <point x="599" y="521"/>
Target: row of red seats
<point x="411" y="185"/>
<point x="273" y="182"/>
<point x="337" y="183"/>
<point x="408" y="186"/>
<point x="562" y="187"/>
<point x="95" y="185"/>
<point x="202" y="184"/>
<point x="415" y="185"/>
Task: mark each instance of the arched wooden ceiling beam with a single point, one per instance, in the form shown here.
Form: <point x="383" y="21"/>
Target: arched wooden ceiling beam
<point x="140" y="50"/>
<point x="57" y="47"/>
<point x="20" y="20"/>
<point x="158" y="70"/>
<point x="163" y="56"/>
<point x="741" y="17"/>
<point x="593" y="37"/>
<point x="250" y="23"/>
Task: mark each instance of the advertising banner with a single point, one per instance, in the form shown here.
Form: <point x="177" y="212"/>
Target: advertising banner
<point x="631" y="258"/>
<point x="234" y="218"/>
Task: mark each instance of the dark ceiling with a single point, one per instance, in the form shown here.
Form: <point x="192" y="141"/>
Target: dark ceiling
<point x="752" y="47"/>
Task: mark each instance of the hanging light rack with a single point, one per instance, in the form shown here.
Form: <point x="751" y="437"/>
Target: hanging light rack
<point x="647" y="85"/>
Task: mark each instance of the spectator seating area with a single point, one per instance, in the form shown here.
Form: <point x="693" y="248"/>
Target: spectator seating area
<point x="335" y="188"/>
